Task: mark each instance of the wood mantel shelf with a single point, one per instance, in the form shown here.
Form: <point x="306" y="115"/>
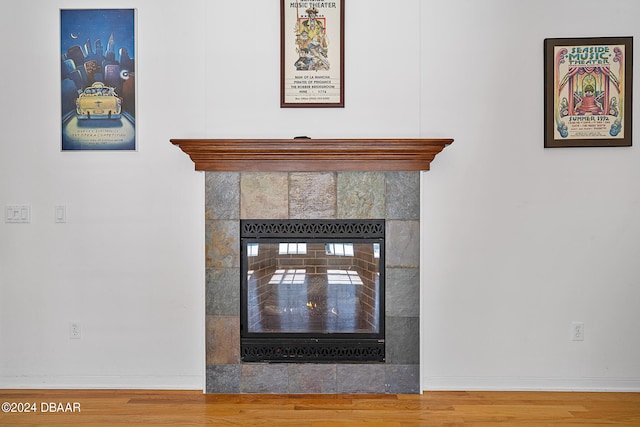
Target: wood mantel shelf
<point x="311" y="155"/>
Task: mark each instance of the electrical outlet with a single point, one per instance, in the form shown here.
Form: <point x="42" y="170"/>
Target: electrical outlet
<point x="577" y="331"/>
<point x="75" y="330"/>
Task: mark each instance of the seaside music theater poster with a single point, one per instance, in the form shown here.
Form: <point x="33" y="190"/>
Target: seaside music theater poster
<point x="591" y="97"/>
<point x="98" y="79"/>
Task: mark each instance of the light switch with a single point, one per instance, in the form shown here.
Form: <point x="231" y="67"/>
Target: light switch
<point x="61" y="214"/>
<point x="18" y="214"/>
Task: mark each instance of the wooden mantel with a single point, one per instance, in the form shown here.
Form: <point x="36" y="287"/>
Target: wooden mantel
<point x="311" y="155"/>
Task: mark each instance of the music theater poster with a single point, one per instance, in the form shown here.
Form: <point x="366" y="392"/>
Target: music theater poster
<point x="588" y="92"/>
<point x="312" y="53"/>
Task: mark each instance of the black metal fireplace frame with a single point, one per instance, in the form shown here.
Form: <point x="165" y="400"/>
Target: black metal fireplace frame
<point x="311" y="347"/>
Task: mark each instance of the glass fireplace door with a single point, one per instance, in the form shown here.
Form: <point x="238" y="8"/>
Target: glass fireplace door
<point x="306" y="294"/>
<point x="313" y="288"/>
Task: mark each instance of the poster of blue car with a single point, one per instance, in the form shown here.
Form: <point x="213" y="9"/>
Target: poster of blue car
<point x="98" y="93"/>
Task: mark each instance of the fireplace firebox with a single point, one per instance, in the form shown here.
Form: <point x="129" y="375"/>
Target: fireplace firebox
<point x="312" y="290"/>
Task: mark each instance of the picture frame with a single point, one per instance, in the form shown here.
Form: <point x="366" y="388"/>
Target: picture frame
<point x="311" y="54"/>
<point x="588" y="85"/>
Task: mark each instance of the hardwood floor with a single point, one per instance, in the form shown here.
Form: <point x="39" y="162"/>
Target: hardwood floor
<point x="193" y="408"/>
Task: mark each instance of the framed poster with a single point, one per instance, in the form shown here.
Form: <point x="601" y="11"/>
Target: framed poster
<point x="312" y="53"/>
<point x="587" y="92"/>
<point x="98" y="94"/>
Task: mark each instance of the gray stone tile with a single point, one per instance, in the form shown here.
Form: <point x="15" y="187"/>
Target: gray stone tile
<point x="223" y="379"/>
<point x="308" y="378"/>
<point x="402" y="379"/>
<point x="264" y="195"/>
<point x="222" y="244"/>
<point x="402" y="244"/>
<point x="312" y="195"/>
<point x="279" y="195"/>
<point x="402" y="340"/>
<point x="403" y="195"/>
<point x="361" y="195"/>
<point x="223" y="291"/>
<point x="223" y="340"/>
<point x="222" y="195"/>
<point x="402" y="292"/>
<point x="264" y="378"/>
<point x="368" y="378"/>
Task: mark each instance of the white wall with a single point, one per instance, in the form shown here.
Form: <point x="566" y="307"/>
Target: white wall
<point x="128" y="264"/>
<point x="518" y="241"/>
<point x="243" y="85"/>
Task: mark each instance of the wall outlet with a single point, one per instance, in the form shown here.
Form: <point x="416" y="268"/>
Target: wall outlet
<point x="75" y="330"/>
<point x="577" y="331"/>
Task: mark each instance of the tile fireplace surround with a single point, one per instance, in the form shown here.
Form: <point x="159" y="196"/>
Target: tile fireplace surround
<point x="312" y="179"/>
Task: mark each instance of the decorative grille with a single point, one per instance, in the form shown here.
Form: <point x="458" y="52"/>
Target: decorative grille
<point x="280" y="350"/>
<point x="312" y="229"/>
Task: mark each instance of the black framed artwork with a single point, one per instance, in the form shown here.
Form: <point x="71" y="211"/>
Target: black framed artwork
<point x="587" y="92"/>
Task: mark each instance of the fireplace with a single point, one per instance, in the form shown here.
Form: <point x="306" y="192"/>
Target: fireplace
<point x="338" y="179"/>
<point x="312" y="290"/>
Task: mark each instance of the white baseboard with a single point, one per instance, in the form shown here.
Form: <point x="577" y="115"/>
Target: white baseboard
<point x="182" y="382"/>
<point x="530" y="384"/>
<point x="196" y="382"/>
